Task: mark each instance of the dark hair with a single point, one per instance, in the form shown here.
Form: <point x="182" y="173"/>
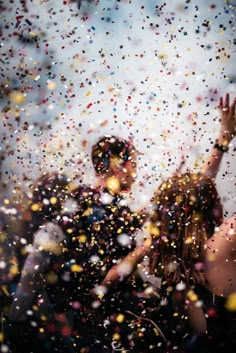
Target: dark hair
<point x="49" y="192"/>
<point x="187" y="209"/>
<point x="108" y="147"/>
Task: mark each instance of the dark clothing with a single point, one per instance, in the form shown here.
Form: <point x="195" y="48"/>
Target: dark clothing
<point x="171" y="319"/>
<point x="26" y="338"/>
<point x="97" y="235"/>
<point x="221" y="323"/>
<point x="100" y="232"/>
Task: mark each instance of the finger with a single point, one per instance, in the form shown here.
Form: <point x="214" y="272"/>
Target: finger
<point x="226" y="100"/>
<point x="232" y="108"/>
<point x="221" y="103"/>
<point x="234" y="103"/>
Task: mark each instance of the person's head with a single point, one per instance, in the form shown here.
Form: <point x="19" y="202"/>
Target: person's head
<point x="114" y="160"/>
<point x="187" y="209"/>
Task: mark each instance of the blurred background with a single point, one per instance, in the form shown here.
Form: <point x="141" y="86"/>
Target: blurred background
<point x="151" y="71"/>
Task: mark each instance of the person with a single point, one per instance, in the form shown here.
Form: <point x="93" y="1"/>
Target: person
<point x="199" y="193"/>
<point x="189" y="245"/>
<point x="197" y="256"/>
<point x="212" y="164"/>
<point x="31" y="318"/>
<point x="98" y="231"/>
<point x="75" y="248"/>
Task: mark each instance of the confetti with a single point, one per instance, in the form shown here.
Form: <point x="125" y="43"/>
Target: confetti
<point x="77" y="70"/>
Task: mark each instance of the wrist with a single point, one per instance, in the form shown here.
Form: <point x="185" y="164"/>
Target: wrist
<point x="225" y="136"/>
<point x="223" y="147"/>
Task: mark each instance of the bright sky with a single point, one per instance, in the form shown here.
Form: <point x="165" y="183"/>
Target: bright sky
<point x="147" y="70"/>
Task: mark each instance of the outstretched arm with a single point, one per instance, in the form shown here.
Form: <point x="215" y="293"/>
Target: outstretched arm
<point x="226" y="134"/>
<point x="29" y="286"/>
<point x="46" y="240"/>
<point x="125" y="268"/>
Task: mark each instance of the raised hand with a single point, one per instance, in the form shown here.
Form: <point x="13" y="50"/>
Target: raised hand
<point x="226" y="134"/>
<point x="227" y="118"/>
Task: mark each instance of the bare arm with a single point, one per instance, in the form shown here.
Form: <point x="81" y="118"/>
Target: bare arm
<point x="29" y="286"/>
<point x="46" y="240"/>
<point x="226" y="134"/>
<point x="220" y="260"/>
<point x="126" y="267"/>
<point x="196" y="318"/>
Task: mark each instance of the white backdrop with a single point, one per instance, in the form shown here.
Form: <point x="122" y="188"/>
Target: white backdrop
<point x="147" y="70"/>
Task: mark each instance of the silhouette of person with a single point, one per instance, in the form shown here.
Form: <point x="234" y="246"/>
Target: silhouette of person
<point x="75" y="247"/>
<point x="183" y="204"/>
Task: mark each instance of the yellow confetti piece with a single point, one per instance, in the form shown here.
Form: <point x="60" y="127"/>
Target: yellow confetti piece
<point x="5" y="290"/>
<point x="35" y="207"/>
<point x="69" y="230"/>
<point x="163" y="56"/>
<point x="154" y="230"/>
<point x="1" y="337"/>
<point x="231" y="302"/>
<point x="179" y="198"/>
<point x="33" y="34"/>
<point x="35" y="308"/>
<point x="88" y="211"/>
<point x="6" y="202"/>
<point x="116" y="337"/>
<point x="43" y="317"/>
<point x="17" y="97"/>
<point x="120" y="318"/>
<point x="113" y="184"/>
<point x="188" y="240"/>
<point x="192" y="296"/>
<point x="51" y="85"/>
<point x="14" y="270"/>
<point x="116" y="162"/>
<point x="82" y="238"/>
<point x="53" y="200"/>
<point x="3" y="237"/>
<point x="76" y="268"/>
<point x="156" y="333"/>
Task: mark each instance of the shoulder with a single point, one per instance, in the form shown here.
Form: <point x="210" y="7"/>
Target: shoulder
<point x="224" y="234"/>
<point x="220" y="259"/>
<point x="230" y="224"/>
<point x="222" y="244"/>
<point x="48" y="236"/>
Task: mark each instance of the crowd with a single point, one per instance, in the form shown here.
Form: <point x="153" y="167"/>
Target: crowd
<point x="77" y="285"/>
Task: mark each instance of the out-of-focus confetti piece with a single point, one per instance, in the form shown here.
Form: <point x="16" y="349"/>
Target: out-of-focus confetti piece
<point x="17" y="97"/>
<point x="231" y="302"/>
